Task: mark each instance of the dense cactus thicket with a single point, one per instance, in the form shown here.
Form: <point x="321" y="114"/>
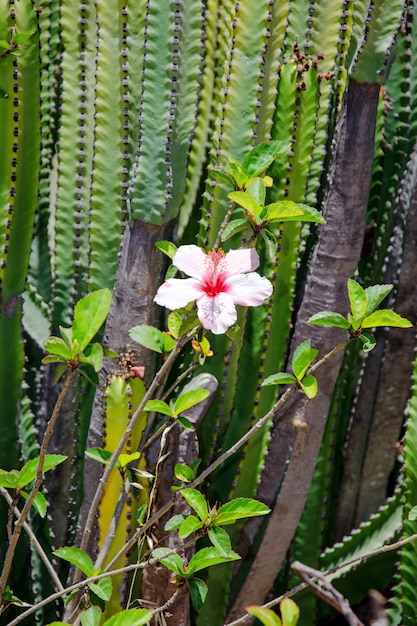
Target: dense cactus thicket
<point x="114" y="117"/>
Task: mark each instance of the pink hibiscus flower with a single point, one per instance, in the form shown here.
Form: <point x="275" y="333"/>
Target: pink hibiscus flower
<point x="218" y="282"/>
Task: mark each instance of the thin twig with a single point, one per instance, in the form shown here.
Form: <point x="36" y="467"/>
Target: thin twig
<point x="8" y="561"/>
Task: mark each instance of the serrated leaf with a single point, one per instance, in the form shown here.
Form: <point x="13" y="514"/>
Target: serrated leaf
<point x="290" y="612"/>
<point x="256" y="188"/>
<point x="279" y="379"/>
<point x="304" y="355"/>
<point x="98" y="454"/>
<point x="197" y="501"/>
<point x="309" y="386"/>
<point x="29" y="470"/>
<point x="190" y="322"/>
<point x="39" y="503"/>
<point x="375" y="294"/>
<point x="190" y="525"/>
<point x="89" y="315"/>
<point x="310" y="214"/>
<point x="175" y="522"/>
<point x="240" y="508"/>
<point x="76" y="557"/>
<point x="158" y="406"/>
<point x="167" y="247"/>
<point x="57" y="346"/>
<point x="220" y="540"/>
<point x="265" y="616"/>
<point x="284" y="211"/>
<point x="261" y="157"/>
<point x="234" y="227"/>
<point x="206" y="557"/>
<point x="102" y="588"/>
<point x="91" y="616"/>
<point x="130" y="617"/>
<point x="224" y="175"/>
<point x="270" y="242"/>
<point x="385" y="317"/>
<point x="369" y="342"/>
<point x="198" y="592"/>
<point x="93" y="356"/>
<point x="171" y="561"/>
<point x="174" y="323"/>
<point x="357" y="298"/>
<point x="190" y="399"/>
<point x="184" y="472"/>
<point x="10" y="479"/>
<point x="329" y="318"/>
<point x="148" y="336"/>
<point x="246" y="201"/>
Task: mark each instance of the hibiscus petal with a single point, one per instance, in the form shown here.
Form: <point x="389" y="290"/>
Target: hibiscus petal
<point x="190" y="260"/>
<point x="176" y="292"/>
<point x="248" y="289"/>
<point x="242" y="261"/>
<point x="216" y="314"/>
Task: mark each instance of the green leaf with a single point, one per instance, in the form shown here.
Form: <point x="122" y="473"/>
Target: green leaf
<point x="329" y="318"/>
<point x="284" y="211"/>
<point x="125" y="459"/>
<point x="304" y="355"/>
<point x="91" y="617"/>
<point x="368" y="340"/>
<point x="93" y="356"/>
<point x="57" y="346"/>
<point x="197" y="501"/>
<point x="270" y="242"/>
<point x="385" y="317"/>
<point x="171" y="561"/>
<point x="256" y="189"/>
<point x="234" y="227"/>
<point x="198" y="592"/>
<point x="167" y="247"/>
<point x="66" y="334"/>
<point x="220" y="540"/>
<point x="266" y="616"/>
<point x="148" y="336"/>
<point x="184" y="472"/>
<point x="20" y="38"/>
<point x="174" y="323"/>
<point x="5" y="44"/>
<point x="169" y="342"/>
<point x="309" y="386"/>
<point x="240" y="508"/>
<point x="310" y="214"/>
<point x="100" y="455"/>
<point x="141" y="514"/>
<point x="189" y="399"/>
<point x="261" y="157"/>
<point x="76" y="557"/>
<point x="185" y="423"/>
<point x="102" y="588"/>
<point x="89" y="315"/>
<point x="357" y="298"/>
<point x="9" y="480"/>
<point x="279" y="379"/>
<point x="29" y="470"/>
<point x="375" y="294"/>
<point x="248" y="203"/>
<point x="290" y="612"/>
<point x="39" y="503"/>
<point x="130" y="617"/>
<point x="223" y="174"/>
<point x="175" y="522"/>
<point x="206" y="557"/>
<point x="190" y="525"/>
<point x="412" y="515"/>
<point x="158" y="406"/>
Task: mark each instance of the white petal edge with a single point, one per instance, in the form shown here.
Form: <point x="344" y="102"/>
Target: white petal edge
<point x="242" y="261"/>
<point x="190" y="260"/>
<point x="216" y="314"/>
<point x="249" y="289"/>
<point x="176" y="292"/>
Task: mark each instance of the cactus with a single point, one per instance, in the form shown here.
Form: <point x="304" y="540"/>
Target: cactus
<point x="110" y="140"/>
